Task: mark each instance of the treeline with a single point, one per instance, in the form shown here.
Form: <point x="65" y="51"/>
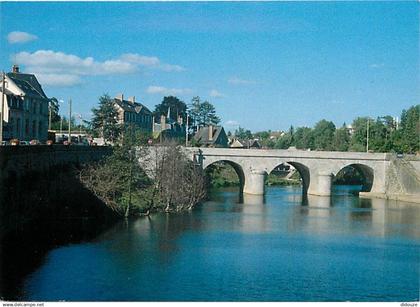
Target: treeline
<point x="382" y="134"/>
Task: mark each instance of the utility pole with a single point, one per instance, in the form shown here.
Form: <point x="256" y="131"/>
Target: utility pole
<point x="49" y="116"/>
<point x="186" y="132"/>
<point x="367" y="135"/>
<point x="3" y="81"/>
<point x="69" y="139"/>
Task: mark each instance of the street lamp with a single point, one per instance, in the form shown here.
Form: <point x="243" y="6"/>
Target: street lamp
<point x="49" y="115"/>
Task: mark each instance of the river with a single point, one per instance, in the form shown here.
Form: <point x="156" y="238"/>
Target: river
<point x="277" y="248"/>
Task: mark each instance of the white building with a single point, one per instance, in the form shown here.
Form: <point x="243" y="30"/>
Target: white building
<point x="25" y="107"/>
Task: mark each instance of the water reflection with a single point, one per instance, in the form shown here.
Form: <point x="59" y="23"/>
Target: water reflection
<point x="250" y="199"/>
<point x="283" y="247"/>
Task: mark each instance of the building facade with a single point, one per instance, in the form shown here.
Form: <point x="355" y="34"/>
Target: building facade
<point x="25" y="108"/>
<point x="167" y="128"/>
<point x="132" y="112"/>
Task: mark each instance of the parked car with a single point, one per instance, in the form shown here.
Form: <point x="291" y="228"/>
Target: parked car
<point x="24" y="143"/>
<point x="35" y="142"/>
<point x="14" y="142"/>
<point x="4" y="143"/>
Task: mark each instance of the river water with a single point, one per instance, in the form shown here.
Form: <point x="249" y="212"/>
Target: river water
<point x="277" y="248"/>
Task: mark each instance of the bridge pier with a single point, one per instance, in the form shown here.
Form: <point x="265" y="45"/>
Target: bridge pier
<point x="321" y="184"/>
<point x="254" y="183"/>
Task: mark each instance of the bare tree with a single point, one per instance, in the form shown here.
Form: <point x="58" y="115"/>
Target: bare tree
<point x="130" y="183"/>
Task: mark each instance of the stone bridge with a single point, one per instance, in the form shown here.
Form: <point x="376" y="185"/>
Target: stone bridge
<point x="316" y="168"/>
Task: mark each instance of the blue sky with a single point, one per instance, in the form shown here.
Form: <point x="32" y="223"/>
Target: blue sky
<point x="264" y="65"/>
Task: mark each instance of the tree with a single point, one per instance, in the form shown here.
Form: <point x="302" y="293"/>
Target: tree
<point x="119" y="181"/>
<point x="55" y="116"/>
<point x="265" y="139"/>
<point x="342" y="139"/>
<point x="323" y="134"/>
<point x="303" y="138"/>
<point x="208" y="114"/>
<point x="202" y="114"/>
<point x="358" y="139"/>
<point x="284" y="142"/>
<point x="105" y="120"/>
<point x="410" y="129"/>
<point x="179" y="182"/>
<point x="176" y="107"/>
<point x="243" y="134"/>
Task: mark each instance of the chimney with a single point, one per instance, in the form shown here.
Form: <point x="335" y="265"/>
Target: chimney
<point x="211" y="133"/>
<point x="15" y="69"/>
<point x="120" y="97"/>
<point x="132" y="99"/>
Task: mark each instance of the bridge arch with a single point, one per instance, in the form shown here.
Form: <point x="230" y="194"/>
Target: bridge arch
<point x="364" y="170"/>
<point x="303" y="171"/>
<point x="237" y="168"/>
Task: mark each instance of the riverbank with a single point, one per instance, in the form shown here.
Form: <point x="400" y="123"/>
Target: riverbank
<point x="50" y="196"/>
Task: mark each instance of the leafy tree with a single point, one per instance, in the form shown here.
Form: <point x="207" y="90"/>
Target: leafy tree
<point x="243" y="134"/>
<point x="208" y="114"/>
<point x="303" y="138"/>
<point x="358" y="139"/>
<point x="202" y="114"/>
<point x="55" y="116"/>
<point x="176" y="107"/>
<point x="284" y="141"/>
<point x="323" y="133"/>
<point x="342" y="139"/>
<point x="410" y="129"/>
<point x="265" y="139"/>
<point x="263" y="135"/>
<point x="105" y="120"/>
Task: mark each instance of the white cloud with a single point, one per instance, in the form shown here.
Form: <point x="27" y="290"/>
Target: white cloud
<point x="153" y="89"/>
<point x="238" y="81"/>
<point x="17" y="37"/>
<point x="140" y="59"/>
<point x="231" y="123"/>
<point x="50" y="64"/>
<point x="170" y="67"/>
<point x="216" y="94"/>
<point x="48" y="61"/>
<point x="152" y="62"/>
